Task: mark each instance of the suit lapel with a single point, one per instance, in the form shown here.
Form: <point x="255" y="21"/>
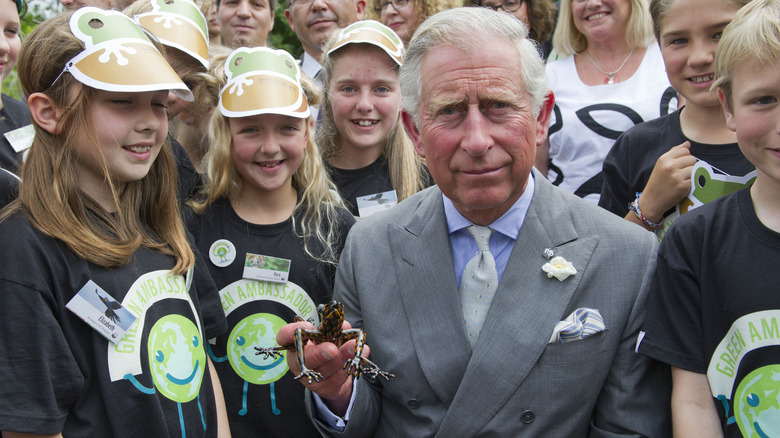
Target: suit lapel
<point x="526" y="307"/>
<point x="429" y="294"/>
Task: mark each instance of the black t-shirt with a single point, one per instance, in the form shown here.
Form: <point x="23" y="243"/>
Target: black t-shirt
<point x="15" y="114"/>
<point x="189" y="179"/>
<point x="631" y="160"/>
<point x="715" y="309"/>
<point x="355" y="183"/>
<point x="59" y="374"/>
<point x="261" y="396"/>
<point x="9" y="187"/>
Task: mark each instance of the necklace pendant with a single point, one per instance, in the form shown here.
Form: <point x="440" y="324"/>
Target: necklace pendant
<point x="610" y="80"/>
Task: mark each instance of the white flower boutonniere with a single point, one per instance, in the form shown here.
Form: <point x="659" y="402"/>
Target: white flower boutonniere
<point x="559" y="268"/>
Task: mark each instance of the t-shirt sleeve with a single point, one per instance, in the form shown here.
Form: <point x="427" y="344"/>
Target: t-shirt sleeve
<point x="34" y="346"/>
<point x="674" y="323"/>
<point x="615" y="191"/>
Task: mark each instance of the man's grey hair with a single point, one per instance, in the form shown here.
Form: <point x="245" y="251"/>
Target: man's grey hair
<point x="467" y="28"/>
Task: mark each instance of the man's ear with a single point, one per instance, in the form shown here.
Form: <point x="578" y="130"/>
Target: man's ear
<point x="543" y="119"/>
<point x="44" y="112"/>
<point x="413" y="132"/>
<point x="730" y="122"/>
<point x="361" y="8"/>
<point x="288" y="16"/>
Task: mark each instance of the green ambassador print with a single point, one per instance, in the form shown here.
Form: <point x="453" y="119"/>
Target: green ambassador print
<point x="755" y="406"/>
<point x="257" y="331"/>
<point x="177" y="358"/>
<point x="173" y="348"/>
<point x="757" y="403"/>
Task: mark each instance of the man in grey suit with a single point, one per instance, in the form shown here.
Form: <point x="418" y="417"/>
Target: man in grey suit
<point x="555" y="356"/>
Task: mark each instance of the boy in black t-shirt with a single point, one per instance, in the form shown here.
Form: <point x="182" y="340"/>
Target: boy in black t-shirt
<point x="648" y="172"/>
<point x="715" y="315"/>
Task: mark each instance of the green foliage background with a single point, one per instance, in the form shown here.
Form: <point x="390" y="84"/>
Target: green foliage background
<point x="281" y="37"/>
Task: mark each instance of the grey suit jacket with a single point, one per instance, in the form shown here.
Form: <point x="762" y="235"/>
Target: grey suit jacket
<point x="397" y="281"/>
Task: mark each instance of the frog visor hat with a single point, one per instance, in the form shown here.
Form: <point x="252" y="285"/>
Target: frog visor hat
<point x="262" y="81"/>
<point x="179" y="24"/>
<point x="118" y="56"/>
<point x="371" y="32"/>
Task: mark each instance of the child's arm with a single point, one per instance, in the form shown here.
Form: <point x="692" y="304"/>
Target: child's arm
<point x="693" y="408"/>
<point x="669" y="183"/>
<point x="223" y="428"/>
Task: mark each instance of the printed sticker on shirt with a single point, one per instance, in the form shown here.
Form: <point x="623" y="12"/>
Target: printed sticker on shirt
<point x="263" y="267"/>
<point x="21" y="138"/>
<point x="101" y="311"/>
<point x="368" y="205"/>
<point x="222" y="253"/>
<point x="708" y="183"/>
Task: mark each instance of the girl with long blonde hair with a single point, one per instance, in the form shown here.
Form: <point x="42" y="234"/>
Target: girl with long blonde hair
<point x="270" y="222"/>
<point x="361" y="133"/>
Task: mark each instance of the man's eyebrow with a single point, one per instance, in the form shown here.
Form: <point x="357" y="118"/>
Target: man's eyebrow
<point x="438" y="102"/>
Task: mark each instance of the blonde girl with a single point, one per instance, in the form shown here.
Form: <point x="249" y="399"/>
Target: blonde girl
<point x="102" y="315"/>
<point x="272" y="226"/>
<point x="361" y="133"/>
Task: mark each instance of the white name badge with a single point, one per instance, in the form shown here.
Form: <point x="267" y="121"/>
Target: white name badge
<point x="21" y="138"/>
<point x="370" y="204"/>
<point x="101" y="311"/>
<point x="263" y="267"/>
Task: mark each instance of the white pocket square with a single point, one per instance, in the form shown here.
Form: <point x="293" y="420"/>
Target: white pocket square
<point x="582" y="323"/>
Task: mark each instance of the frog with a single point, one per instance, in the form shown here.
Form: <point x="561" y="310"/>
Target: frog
<point x="331" y="320"/>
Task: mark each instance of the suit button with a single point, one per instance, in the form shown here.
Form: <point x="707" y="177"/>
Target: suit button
<point x="413" y="403"/>
<point x="528" y="417"/>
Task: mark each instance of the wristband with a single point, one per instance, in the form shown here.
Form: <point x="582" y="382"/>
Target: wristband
<point x="634" y="206"/>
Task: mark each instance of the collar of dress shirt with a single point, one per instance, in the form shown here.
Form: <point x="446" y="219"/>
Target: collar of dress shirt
<point x="310" y="66"/>
<point x="508" y="224"/>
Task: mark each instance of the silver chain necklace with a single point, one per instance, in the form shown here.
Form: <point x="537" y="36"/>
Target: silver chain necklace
<point x="610" y="75"/>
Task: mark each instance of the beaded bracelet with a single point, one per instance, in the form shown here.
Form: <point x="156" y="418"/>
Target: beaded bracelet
<point x="634" y="206"/>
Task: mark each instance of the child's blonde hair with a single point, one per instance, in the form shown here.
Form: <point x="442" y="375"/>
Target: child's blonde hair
<point x="147" y="212"/>
<point x="318" y="202"/>
<point x="407" y="170"/>
<point x="751" y="39"/>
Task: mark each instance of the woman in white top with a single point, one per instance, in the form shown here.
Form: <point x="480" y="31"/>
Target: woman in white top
<point x="612" y="78"/>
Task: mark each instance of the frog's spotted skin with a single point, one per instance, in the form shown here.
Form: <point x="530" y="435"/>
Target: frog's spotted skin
<point x="329" y="330"/>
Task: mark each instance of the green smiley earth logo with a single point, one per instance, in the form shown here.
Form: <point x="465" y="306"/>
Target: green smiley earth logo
<point x="757" y="403"/>
<point x="177" y="358"/>
<point x="257" y="330"/>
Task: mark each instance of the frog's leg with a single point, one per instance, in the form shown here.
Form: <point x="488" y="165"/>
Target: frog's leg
<point x="274" y="409"/>
<point x="243" y="410"/>
<point x="300" y="336"/>
<point x="353" y="365"/>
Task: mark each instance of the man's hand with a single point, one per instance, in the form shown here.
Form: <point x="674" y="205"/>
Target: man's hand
<point x="335" y="388"/>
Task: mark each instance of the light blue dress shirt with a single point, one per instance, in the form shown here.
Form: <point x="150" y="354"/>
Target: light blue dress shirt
<point x="506" y="228"/>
